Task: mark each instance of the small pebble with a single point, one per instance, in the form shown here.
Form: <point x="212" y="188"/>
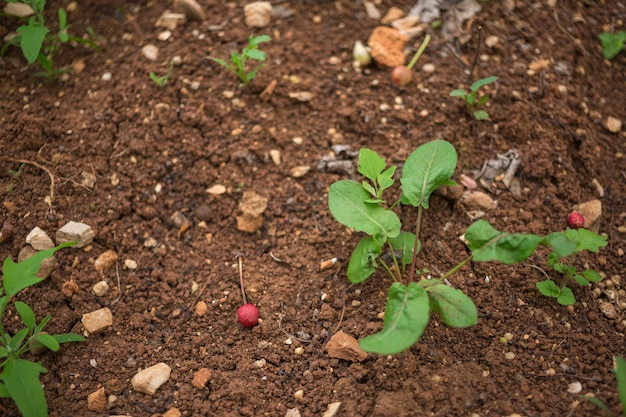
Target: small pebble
<point x="106" y="76"/>
<point x="130" y="264"/>
<point x="509" y="355"/>
<point x="428" y="68"/>
<point x="298" y="395"/>
<point x="299" y="350"/>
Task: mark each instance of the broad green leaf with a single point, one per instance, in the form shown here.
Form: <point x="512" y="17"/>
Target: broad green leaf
<point x="406" y="316"/>
<point x="21" y="380"/>
<point x="254" y="41"/>
<point x="48" y="341"/>
<point x="620" y="374"/>
<point x="18" y="276"/>
<point x="481" y="115"/>
<point x="3" y="352"/>
<point x="426" y="169"/>
<point x="560" y="244"/>
<point x="363" y="260"/>
<point x="591" y="275"/>
<point x="369" y="188"/>
<point x="4" y="392"/>
<point x="17" y="340"/>
<point x="480" y="83"/>
<point x="566" y="298"/>
<point x="586" y="239"/>
<point x="26" y="313"/>
<point x="255" y="54"/>
<point x="459" y="92"/>
<point x="580" y="280"/>
<point x="488" y="244"/>
<point x="612" y="44"/>
<point x="548" y="288"/>
<point x="455" y="308"/>
<point x="482" y="100"/>
<point x="385" y="178"/>
<point x="32" y="39"/>
<point x="404" y="243"/>
<point x="370" y="164"/>
<point x="346" y="202"/>
<point x="68" y="337"/>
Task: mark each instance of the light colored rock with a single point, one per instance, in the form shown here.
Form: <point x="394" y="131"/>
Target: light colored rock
<point x="478" y="199"/>
<point x="191" y="9"/>
<point x="18" y="9"/>
<point x="387" y="46"/>
<point x="47" y="266"/>
<point x="216" y="189"/>
<point x="39" y="239"/>
<point x="164" y="36"/>
<point x="97" y="401"/>
<point x="87" y="179"/>
<point x="332" y="409"/>
<point x="608" y="309"/>
<point x="75" y="231"/>
<point x="249" y="224"/>
<point x="592" y="211"/>
<point x="301" y="96"/>
<point x="300" y="171"/>
<point x="393" y="13"/>
<point x="275" y="155"/>
<point x="105" y="261"/>
<point x="292" y="412"/>
<point x="371" y="10"/>
<point x="200" y="308"/>
<point x="492" y="41"/>
<point x="100" y="288"/>
<point x="150" y="379"/>
<point x="252" y="206"/>
<point x="172" y="412"/>
<point x="613" y="124"/>
<point x="150" y="51"/>
<point x="130" y="264"/>
<point x="344" y="346"/>
<point x="201" y="378"/>
<point x="170" y="20"/>
<point x="258" y="14"/>
<point x="98" y="320"/>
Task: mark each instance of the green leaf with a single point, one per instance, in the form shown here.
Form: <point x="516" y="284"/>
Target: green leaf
<point x="48" y="341"/>
<point x="566" y="298"/>
<point x="406" y="316"/>
<point x="385" y="178"/>
<point x="17" y="340"/>
<point x="26" y="313"/>
<point x="68" y="337"/>
<point x="480" y="83"/>
<point x="21" y="380"/>
<point x="32" y="39"/>
<point x="255" y="54"/>
<point x="3" y="352"/>
<point x="369" y="188"/>
<point x="455" y="308"/>
<point x="488" y="244"/>
<point x="548" y="288"/>
<point x="484" y="99"/>
<point x="597" y="402"/>
<point x="459" y="92"/>
<point x="363" y="260"/>
<point x="18" y="276"/>
<point x="586" y="239"/>
<point x="560" y="244"/>
<point x="426" y="169"/>
<point x="592" y="276"/>
<point x="620" y="374"/>
<point x="346" y="202"/>
<point x="4" y="392"/>
<point x="580" y="280"/>
<point x="254" y="41"/>
<point x="370" y="164"/>
<point x="222" y="63"/>
<point x="481" y="115"/>
<point x="612" y="44"/>
<point x="404" y="243"/>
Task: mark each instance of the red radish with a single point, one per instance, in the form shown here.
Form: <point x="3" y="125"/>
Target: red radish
<point x="575" y="220"/>
<point x="401" y="75"/>
<point x="247" y="314"/>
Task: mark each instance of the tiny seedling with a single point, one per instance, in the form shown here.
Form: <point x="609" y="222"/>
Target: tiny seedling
<point x="19" y="378"/>
<point x="237" y="64"/>
<point x="472" y="99"/>
<point x="161" y="81"/>
<point x="39" y="44"/>
<point x="401" y="75"/>
<point x="620" y="375"/>
<point x="15" y="175"/>
<point x="565" y="246"/>
<point x="612" y="43"/>
<point x="247" y="314"/>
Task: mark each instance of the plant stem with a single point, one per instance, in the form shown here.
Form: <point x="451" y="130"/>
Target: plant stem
<point x="419" y="52"/>
<point x="243" y="293"/>
<point x="568" y="275"/>
<point x="457" y="267"/>
<point x="395" y="260"/>
<point x="389" y="271"/>
<point x="418" y="225"/>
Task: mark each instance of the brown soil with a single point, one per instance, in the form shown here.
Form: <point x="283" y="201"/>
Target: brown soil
<point x="136" y="138"/>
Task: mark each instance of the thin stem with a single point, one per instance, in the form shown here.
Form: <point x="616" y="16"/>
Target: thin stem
<point x="243" y="293"/>
<point x="395" y="260"/>
<point x="568" y="275"/>
<point x="476" y="55"/>
<point x="419" y="52"/>
<point x="418" y="226"/>
<point x="389" y="271"/>
<point x="457" y="267"/>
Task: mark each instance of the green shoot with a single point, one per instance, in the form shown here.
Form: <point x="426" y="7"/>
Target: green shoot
<point x="161" y="81"/>
<point x="472" y="99"/>
<point x="612" y="43"/>
<point x="237" y="64"/>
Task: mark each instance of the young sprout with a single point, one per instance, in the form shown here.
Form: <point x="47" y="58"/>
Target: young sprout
<point x="247" y="314"/>
<point x="401" y="75"/>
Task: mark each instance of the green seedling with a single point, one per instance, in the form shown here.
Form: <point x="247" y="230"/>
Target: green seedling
<point x="565" y="246"/>
<point x="19" y="377"/>
<point x="472" y="99"/>
<point x="161" y="81"/>
<point x="237" y="64"/>
<point x="620" y="375"/>
<point x="15" y="175"/>
<point x="39" y="44"/>
<point x="612" y="43"/>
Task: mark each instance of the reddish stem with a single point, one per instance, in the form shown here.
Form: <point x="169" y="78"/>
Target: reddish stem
<point x="243" y="294"/>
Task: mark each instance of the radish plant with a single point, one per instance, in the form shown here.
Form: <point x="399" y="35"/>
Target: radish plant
<point x="363" y="207"/>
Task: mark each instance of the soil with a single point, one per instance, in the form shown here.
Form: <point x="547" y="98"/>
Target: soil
<point x="155" y="151"/>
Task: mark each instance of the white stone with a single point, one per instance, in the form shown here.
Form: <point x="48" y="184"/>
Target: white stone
<point x="150" y="51"/>
<point x="130" y="264"/>
<point x="164" y="36"/>
<point x="150" y="379"/>
<point x="97" y="320"/>
<point x="39" y="239"/>
<point x="75" y="231"/>
<point x="332" y="409"/>
<point x="18" y="9"/>
<point x="170" y="20"/>
<point x="292" y="412"/>
<point x="190" y="8"/>
<point x="100" y="288"/>
<point x="258" y="14"/>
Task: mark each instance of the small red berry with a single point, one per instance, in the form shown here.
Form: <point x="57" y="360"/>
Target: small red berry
<point x="248" y="315"/>
<point x="401" y="75"/>
<point x="575" y="220"/>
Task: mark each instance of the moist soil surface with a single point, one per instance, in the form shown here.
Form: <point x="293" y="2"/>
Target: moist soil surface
<point x="155" y="154"/>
